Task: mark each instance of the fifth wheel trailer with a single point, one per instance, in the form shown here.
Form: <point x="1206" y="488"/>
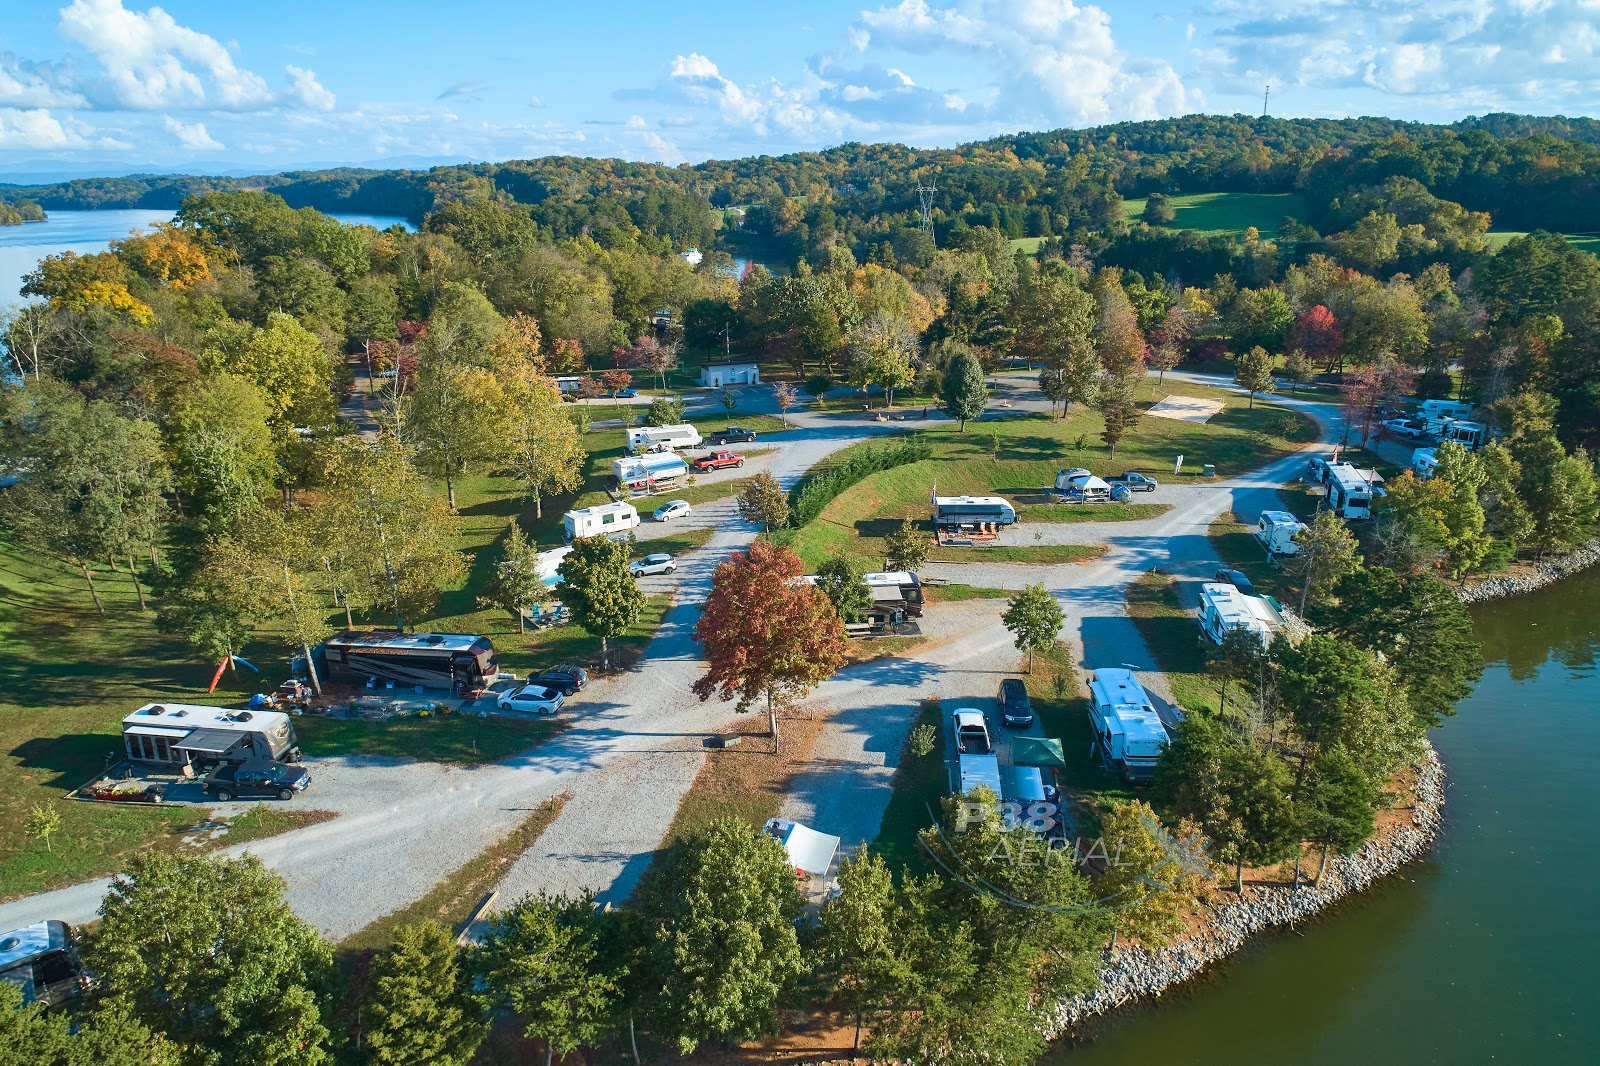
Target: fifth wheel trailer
<point x="957" y="511"/>
<point x="1128" y="732"/>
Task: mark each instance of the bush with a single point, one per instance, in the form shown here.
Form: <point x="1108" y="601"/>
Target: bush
<point x="813" y="493"/>
<point x="921" y="740"/>
<point x="664" y="411"/>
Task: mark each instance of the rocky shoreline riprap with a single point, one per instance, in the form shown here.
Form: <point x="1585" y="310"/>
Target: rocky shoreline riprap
<point x="1134" y="973"/>
<point x="1542" y="574"/>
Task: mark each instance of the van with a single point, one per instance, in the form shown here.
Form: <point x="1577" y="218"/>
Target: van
<point x="1015" y="710"/>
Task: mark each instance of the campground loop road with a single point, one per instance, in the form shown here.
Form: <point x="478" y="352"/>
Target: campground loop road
<point x="636" y="741"/>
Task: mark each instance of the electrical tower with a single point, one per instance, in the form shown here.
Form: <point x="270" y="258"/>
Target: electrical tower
<point x="925" y="204"/>
<point x="1264" y="98"/>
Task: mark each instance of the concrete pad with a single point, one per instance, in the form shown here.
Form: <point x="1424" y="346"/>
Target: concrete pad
<point x="1186" y="408"/>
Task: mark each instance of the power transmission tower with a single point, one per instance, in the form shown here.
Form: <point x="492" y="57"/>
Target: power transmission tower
<point x="925" y="204"/>
<point x="1264" y="98"/>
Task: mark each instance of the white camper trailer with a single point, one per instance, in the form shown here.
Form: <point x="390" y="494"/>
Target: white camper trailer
<point x="957" y="511"/>
<point x="649" y="473"/>
<point x="601" y="520"/>
<point x="1350" y="491"/>
<point x="1470" y="435"/>
<point x="1078" y="485"/>
<point x="175" y="734"/>
<point x="1441" y="410"/>
<point x="1128" y="732"/>
<point x="1275" y="532"/>
<point x="1424" y="461"/>
<point x="1224" y="607"/>
<point x="643" y="439"/>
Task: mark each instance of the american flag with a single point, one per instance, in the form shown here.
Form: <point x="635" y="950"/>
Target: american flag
<point x="933" y="495"/>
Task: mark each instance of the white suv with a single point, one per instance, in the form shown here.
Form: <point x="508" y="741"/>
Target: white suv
<point x="653" y="564"/>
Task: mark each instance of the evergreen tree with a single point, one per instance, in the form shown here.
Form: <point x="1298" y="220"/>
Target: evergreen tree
<point x="1144" y="889"/>
<point x="597" y="588"/>
<point x="419" y="1008"/>
<point x="857" y="945"/>
<point x="517" y="586"/>
<point x="1337" y="806"/>
<point x="108" y="1036"/>
<point x="965" y="394"/>
<point x="542" y="960"/>
<point x="762" y="503"/>
<point x="907" y="547"/>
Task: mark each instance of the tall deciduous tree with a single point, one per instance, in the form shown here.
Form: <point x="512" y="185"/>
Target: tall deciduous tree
<point x="419" y="1008"/>
<point x="762" y="503"/>
<point x="1145" y="888"/>
<point x="1054" y="322"/>
<point x="883" y="350"/>
<point x="456" y="416"/>
<point x="861" y="955"/>
<point x="33" y="1035"/>
<point x="1316" y="332"/>
<point x="541" y="960"/>
<point x="225" y="457"/>
<point x="840" y="581"/>
<point x="206" y="951"/>
<point x="1034" y="618"/>
<point x="765" y="634"/>
<point x="964" y="393"/>
<point x="543" y="451"/>
<point x="290" y="366"/>
<point x="1327" y="552"/>
<point x="1253" y="372"/>
<point x="720" y="907"/>
<point x="597" y="588"/>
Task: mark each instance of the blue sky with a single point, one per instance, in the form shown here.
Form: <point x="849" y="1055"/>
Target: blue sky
<point x="107" y="85"/>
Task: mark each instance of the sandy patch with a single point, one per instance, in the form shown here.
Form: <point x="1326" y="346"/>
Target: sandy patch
<point x="1186" y="408"/>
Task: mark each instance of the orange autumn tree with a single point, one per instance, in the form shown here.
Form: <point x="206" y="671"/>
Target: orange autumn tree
<point x="766" y="634"/>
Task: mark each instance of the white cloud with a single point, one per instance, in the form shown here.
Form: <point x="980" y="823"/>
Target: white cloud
<point x="534" y="101"/>
<point x="304" y="87"/>
<point x="192" y="135"/>
<point x="151" y="62"/>
<point x="33" y="85"/>
<point x="36" y="129"/>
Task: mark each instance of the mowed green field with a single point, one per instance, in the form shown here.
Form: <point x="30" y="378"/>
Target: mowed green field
<point x="1228" y="212"/>
<point x="1498" y="238"/>
<point x="1031" y="450"/>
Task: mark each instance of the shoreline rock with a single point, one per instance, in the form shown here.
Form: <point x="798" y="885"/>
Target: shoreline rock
<point x="1543" y="573"/>
<point x="1135" y="973"/>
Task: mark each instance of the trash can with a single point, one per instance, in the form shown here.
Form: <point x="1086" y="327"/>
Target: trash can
<point x="1209" y="471"/>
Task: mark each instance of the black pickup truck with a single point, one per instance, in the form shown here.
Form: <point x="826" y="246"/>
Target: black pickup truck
<point x="732" y="435"/>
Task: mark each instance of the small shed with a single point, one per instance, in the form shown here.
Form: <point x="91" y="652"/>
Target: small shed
<point x="809" y="851"/>
<point x="716" y="375"/>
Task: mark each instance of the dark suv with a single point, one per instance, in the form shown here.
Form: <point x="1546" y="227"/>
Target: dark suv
<point x="256" y="779"/>
<point x="1015" y="710"/>
<point x="564" y="679"/>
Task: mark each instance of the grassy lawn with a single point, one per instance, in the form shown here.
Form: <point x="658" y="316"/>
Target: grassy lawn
<point x="1031" y="449"/>
<point x="451" y="738"/>
<point x="1228" y="212"/>
<point x="748" y="781"/>
<point x="1027" y="245"/>
<point x="1038" y="555"/>
<point x="675" y="543"/>
<point x="1173" y="637"/>
<point x="919" y="784"/>
<point x="1056" y="692"/>
<point x="954" y="592"/>
<point x="1498" y="238"/>
<point x="452" y="902"/>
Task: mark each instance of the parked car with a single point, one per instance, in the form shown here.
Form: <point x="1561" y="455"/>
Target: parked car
<point x="256" y="779"/>
<point x="673" y="509"/>
<point x="625" y="394"/>
<point x="564" y="679"/>
<point x="1015" y="707"/>
<point x="1402" y="427"/>
<point x="733" y="435"/>
<point x="718" y="460"/>
<point x="532" y="699"/>
<point x="1135" y="481"/>
<point x="660" y="563"/>
<point x="1237" y="579"/>
<point x="972" y="734"/>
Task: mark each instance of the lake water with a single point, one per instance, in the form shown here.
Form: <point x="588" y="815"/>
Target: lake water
<point x="1480" y="953"/>
<point x="21" y="247"/>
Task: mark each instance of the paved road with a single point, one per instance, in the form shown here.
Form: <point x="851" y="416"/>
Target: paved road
<point x="636" y="744"/>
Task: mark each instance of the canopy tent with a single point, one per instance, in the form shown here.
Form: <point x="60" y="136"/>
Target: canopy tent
<point x="1037" y="751"/>
<point x="809" y="850"/>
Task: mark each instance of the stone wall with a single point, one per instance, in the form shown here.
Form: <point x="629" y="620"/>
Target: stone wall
<point x="1133" y="973"/>
<point x="1542" y="574"/>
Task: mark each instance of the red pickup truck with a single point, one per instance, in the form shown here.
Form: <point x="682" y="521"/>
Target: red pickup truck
<point x="718" y="460"/>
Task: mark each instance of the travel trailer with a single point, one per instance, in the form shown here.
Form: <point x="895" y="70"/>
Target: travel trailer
<point x="643" y="439"/>
<point x="649" y="473"/>
<point x="1224" y="607"/>
<point x="601" y="520"/>
<point x="1424" y="461"/>
<point x="1128" y="732"/>
<point x="178" y="734"/>
<point x="954" y="512"/>
<point x="1350" y="491"/>
<point x="1275" y="532"/>
<point x="1078" y="485"/>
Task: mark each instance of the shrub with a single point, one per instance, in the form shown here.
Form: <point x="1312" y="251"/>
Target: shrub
<point x="921" y="740"/>
<point x="816" y="491"/>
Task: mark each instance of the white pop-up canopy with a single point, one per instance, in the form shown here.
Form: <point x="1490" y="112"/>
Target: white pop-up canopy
<point x="808" y="849"/>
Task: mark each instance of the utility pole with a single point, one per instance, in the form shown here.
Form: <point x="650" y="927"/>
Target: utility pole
<point x="1264" y="98"/>
<point x="925" y="194"/>
<point x="727" y="340"/>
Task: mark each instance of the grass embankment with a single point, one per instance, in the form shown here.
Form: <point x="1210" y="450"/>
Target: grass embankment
<point x="1018" y="457"/>
<point x="1173" y="637"/>
<point x="453" y="900"/>
<point x="1228" y="212"/>
<point x="955" y="592"/>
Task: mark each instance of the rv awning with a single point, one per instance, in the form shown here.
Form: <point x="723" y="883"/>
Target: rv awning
<point x="1036" y="751"/>
<point x="808" y="849"/>
<point x="155" y="731"/>
<point x="210" y="742"/>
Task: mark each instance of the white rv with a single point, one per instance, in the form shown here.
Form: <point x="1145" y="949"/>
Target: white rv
<point x="956" y="511"/>
<point x="1128" y="732"/>
<point x="1470" y="435"/>
<point x="643" y="439"/>
<point x="647" y="473"/>
<point x="975" y="770"/>
<point x="1224" y="607"/>
<point x="1078" y="485"/>
<point x="1424" y="461"/>
<point x="601" y="520"/>
<point x="1442" y="410"/>
<point x="1275" y="532"/>
<point x="175" y="734"/>
<point x="1350" y="491"/>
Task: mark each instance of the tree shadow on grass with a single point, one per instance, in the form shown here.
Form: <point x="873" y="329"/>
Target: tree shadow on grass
<point x="73" y="758"/>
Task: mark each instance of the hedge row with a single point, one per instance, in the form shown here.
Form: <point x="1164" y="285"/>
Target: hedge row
<point x="811" y="494"/>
